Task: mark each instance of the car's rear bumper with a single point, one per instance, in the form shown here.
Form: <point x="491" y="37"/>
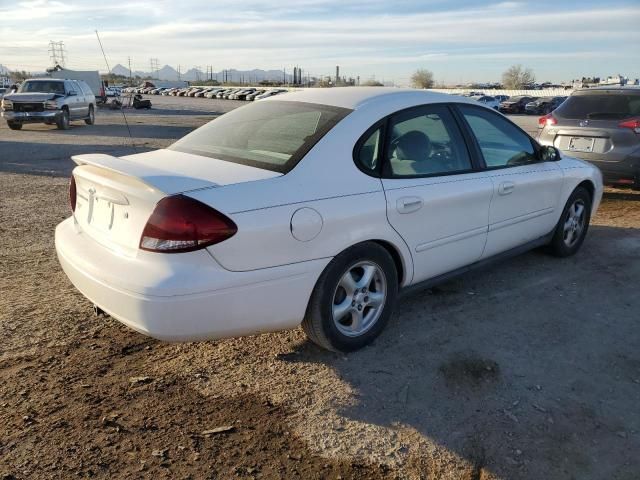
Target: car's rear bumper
<point x="148" y="292"/>
<point x="31" y="117"/>
<point x="624" y="172"/>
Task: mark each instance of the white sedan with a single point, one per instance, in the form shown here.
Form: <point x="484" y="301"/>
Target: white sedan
<point x="315" y="207"/>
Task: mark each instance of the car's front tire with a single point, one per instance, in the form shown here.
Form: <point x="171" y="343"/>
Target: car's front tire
<point x="573" y="224"/>
<point x="353" y="298"/>
<point x="63" y="120"/>
<point x="15" y="125"/>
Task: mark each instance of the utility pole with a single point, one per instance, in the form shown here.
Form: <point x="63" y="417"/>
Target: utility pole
<point x="130" y="73"/>
<point x="179" y="74"/>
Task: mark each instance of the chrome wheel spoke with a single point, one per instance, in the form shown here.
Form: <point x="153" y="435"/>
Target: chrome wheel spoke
<point x="579" y="211"/>
<point x="340" y="310"/>
<point x="376" y="299"/>
<point x="348" y="283"/>
<point x="367" y="276"/>
<point x="357" y="321"/>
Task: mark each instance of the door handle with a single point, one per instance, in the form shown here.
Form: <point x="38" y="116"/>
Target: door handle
<point x="409" y="204"/>
<point x="506" y="188"/>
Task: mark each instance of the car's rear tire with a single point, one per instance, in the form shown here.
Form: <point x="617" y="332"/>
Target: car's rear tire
<point x="91" y="119"/>
<point x="353" y="299"/>
<point x="15" y="125"/>
<point x="573" y="224"/>
<point x="63" y="120"/>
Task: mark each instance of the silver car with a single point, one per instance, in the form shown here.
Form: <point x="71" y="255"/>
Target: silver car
<point x="600" y="125"/>
<point x="49" y="101"/>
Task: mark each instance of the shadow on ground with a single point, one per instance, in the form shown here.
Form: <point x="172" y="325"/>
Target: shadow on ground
<point x="520" y="390"/>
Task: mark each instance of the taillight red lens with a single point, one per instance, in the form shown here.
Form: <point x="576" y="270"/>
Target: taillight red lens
<point x="548" y="119"/>
<point x="632" y="123"/>
<point x="72" y="193"/>
<point x="183" y="224"/>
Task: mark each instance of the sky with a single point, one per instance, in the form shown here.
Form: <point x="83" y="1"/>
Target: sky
<point x="459" y="41"/>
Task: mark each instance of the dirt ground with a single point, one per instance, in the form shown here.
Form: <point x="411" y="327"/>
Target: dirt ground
<point x="527" y="370"/>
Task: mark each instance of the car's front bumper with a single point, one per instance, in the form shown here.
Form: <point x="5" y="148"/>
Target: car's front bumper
<point x="31" y="117"/>
<point x="185" y="297"/>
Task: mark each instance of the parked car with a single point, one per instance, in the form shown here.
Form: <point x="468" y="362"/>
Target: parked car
<point x="270" y="93"/>
<point x="213" y="93"/>
<point x="515" y="104"/>
<point x="501" y="98"/>
<point x="252" y="96"/>
<point x="600" y="125"/>
<point x="49" y="101"/>
<point x="543" y="105"/>
<point x="242" y="95"/>
<point x="180" y="253"/>
<point x="490" y="102"/>
<point x="2" y="92"/>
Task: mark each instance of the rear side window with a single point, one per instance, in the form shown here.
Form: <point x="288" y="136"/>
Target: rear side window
<point x="600" y="106"/>
<point x="272" y="135"/>
<point x="369" y="152"/>
<point x="425" y="141"/>
<point x="502" y="143"/>
<point x="85" y="88"/>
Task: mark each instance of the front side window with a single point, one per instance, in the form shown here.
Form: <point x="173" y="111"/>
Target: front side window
<point x="425" y="141"/>
<point x="272" y="135"/>
<point x="502" y="144"/>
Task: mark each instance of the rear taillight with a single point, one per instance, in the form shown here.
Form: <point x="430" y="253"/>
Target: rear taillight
<point x="72" y="193"/>
<point x="547" y="120"/>
<point x="182" y="224"/>
<point x="632" y="123"/>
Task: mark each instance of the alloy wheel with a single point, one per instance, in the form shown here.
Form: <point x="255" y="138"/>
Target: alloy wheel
<point x="359" y="298"/>
<point x="574" y="223"/>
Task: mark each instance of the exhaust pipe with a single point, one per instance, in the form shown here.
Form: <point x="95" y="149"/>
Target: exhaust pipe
<point x="98" y="312"/>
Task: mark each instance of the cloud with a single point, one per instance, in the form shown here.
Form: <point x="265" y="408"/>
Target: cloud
<point x="369" y="35"/>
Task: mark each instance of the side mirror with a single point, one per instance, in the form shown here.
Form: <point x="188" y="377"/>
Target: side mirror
<point x="549" y="154"/>
<point x="72" y="93"/>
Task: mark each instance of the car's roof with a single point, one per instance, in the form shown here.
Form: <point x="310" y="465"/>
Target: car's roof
<point x="612" y="89"/>
<point x="355" y="97"/>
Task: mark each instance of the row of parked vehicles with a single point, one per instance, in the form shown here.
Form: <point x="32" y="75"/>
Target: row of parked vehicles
<point x="236" y="93"/>
<point x="519" y="104"/>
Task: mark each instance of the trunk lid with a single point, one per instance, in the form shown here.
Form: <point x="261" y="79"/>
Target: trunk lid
<point x="116" y="195"/>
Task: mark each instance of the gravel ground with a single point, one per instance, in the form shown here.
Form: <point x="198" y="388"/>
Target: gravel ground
<point x="527" y="370"/>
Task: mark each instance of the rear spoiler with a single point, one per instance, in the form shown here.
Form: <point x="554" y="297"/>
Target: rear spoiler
<point x="165" y="181"/>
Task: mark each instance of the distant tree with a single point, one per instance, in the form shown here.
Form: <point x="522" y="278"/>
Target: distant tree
<point x="516" y="77"/>
<point x="372" y="83"/>
<point x="422" y="78"/>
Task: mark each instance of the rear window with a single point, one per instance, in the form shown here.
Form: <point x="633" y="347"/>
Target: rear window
<point x="601" y="106"/>
<point x="270" y="135"/>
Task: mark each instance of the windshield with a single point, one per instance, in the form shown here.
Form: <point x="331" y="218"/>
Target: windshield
<point x="272" y="135"/>
<point x="605" y="106"/>
<point x="42" y="86"/>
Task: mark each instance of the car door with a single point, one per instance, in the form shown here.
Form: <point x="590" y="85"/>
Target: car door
<point x="437" y="199"/>
<point x="526" y="191"/>
<point x="74" y="99"/>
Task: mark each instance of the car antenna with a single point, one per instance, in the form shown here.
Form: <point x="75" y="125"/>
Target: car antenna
<point x="121" y="109"/>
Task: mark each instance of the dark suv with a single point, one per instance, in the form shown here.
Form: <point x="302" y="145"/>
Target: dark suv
<point x="600" y="125"/>
<point x="49" y="101"/>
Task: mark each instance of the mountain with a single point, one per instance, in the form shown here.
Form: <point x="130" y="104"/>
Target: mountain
<point x="194" y="75"/>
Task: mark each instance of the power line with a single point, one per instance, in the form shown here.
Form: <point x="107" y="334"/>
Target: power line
<point x="57" y="53"/>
